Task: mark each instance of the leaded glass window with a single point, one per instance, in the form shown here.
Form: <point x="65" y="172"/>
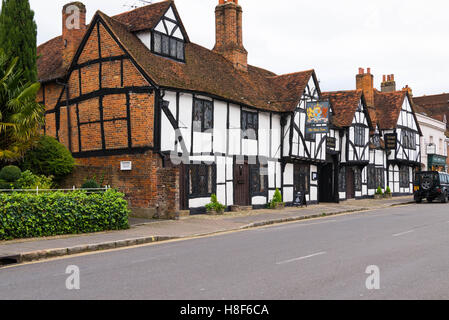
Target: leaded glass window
<point x="168" y="46"/>
<point x="259" y="179"/>
<point x="203" y="115"/>
<point x="359" y="136"/>
<point x="358" y="179"/>
<point x="250" y="125"/>
<point x="157" y="43"/>
<point x="342" y="180"/>
<point x="404" y="177"/>
<point x="202" y="180"/>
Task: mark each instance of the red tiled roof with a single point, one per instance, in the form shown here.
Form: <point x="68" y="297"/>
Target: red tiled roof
<point x="146" y="17"/>
<point x="388" y="108"/>
<point x="204" y="70"/>
<point x="344" y="104"/>
<point x="435" y="106"/>
<point x="209" y="72"/>
<point x="49" y="62"/>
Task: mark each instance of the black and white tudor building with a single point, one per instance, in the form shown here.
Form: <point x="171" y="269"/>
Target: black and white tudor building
<point x="241" y="134"/>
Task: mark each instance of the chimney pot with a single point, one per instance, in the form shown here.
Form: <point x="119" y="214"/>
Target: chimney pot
<point x="384" y="78"/>
<point x="361" y="71"/>
<point x="368" y="70"/>
<point x="392" y="77"/>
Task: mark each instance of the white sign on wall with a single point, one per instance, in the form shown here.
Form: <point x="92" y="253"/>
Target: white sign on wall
<point x="126" y="165"/>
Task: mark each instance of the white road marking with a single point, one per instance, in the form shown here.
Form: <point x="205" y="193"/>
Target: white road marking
<point x="302" y="258"/>
<point x="403" y="233"/>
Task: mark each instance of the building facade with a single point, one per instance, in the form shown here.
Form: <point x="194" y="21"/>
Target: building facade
<point x="433" y="142"/>
<point x="170" y="123"/>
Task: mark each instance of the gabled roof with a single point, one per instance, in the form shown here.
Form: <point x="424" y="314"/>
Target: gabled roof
<point x="143" y="18"/>
<point x="435" y="106"/>
<point x="49" y="62"/>
<point x="388" y="108"/>
<point x="345" y="104"/>
<point x="147" y="17"/>
<point x="204" y="70"/>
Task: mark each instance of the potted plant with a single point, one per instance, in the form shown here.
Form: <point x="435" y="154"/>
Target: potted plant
<point x="276" y="202"/>
<point x="379" y="194"/>
<point x="215" y="207"/>
<point x="388" y="193"/>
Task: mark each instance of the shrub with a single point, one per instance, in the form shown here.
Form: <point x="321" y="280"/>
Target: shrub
<point x="10" y="174"/>
<point x="379" y="191"/>
<point x="90" y="184"/>
<point x="29" y="180"/>
<point x="49" y="158"/>
<point x="50" y="214"/>
<point x="388" y="191"/>
<point x="277" y="199"/>
<point x="6" y="185"/>
<point x="214" y="205"/>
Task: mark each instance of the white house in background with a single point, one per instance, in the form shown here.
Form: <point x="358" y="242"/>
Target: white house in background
<point x="433" y="143"/>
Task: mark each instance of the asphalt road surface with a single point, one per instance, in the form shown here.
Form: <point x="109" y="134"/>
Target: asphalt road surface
<point x="317" y="259"/>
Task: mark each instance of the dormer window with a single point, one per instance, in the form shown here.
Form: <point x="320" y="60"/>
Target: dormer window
<point x="168" y="37"/>
<point x="168" y="46"/>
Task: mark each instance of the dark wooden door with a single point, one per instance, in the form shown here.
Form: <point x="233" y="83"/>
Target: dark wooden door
<point x="183" y="187"/>
<point x="326" y="183"/>
<point x="350" y="185"/>
<point x="241" y="185"/>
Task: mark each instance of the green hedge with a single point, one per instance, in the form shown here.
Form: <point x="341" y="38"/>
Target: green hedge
<point x="50" y="214"/>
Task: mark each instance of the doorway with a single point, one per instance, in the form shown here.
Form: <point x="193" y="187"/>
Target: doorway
<point x="350" y="183"/>
<point x="184" y="187"/>
<point x="326" y="182"/>
<point x="241" y="185"/>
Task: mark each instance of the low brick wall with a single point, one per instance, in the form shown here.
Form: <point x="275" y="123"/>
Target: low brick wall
<point x="150" y="189"/>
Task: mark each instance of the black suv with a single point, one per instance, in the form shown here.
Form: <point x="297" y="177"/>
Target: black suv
<point x="432" y="185"/>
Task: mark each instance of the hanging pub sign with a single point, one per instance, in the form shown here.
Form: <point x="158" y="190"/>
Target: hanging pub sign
<point x="331" y="143"/>
<point x="317" y="117"/>
<point x="391" y="141"/>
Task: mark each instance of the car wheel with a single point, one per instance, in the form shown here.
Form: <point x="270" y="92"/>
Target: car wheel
<point x="445" y="199"/>
<point x="418" y="200"/>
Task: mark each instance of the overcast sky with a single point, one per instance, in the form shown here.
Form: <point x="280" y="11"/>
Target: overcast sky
<point x="408" y="38"/>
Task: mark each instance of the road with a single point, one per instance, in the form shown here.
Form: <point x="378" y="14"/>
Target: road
<point x="317" y="259"/>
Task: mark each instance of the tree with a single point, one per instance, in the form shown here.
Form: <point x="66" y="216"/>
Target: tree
<point x="18" y="32"/>
<point x="49" y="157"/>
<point x="21" y="117"/>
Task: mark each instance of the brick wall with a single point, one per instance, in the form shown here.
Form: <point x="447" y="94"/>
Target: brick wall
<point x="147" y="185"/>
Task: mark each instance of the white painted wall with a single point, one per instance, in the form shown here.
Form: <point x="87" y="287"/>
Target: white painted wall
<point x="433" y="131"/>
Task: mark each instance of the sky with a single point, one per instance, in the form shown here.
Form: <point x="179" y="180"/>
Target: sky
<point x="407" y="38"/>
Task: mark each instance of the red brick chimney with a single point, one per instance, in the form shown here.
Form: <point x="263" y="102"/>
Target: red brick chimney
<point x="73" y="29"/>
<point x="365" y="82"/>
<point x="388" y="83"/>
<point x="229" y="37"/>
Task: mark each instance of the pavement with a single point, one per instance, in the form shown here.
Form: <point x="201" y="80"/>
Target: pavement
<point x="387" y="253"/>
<point x="150" y="231"/>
